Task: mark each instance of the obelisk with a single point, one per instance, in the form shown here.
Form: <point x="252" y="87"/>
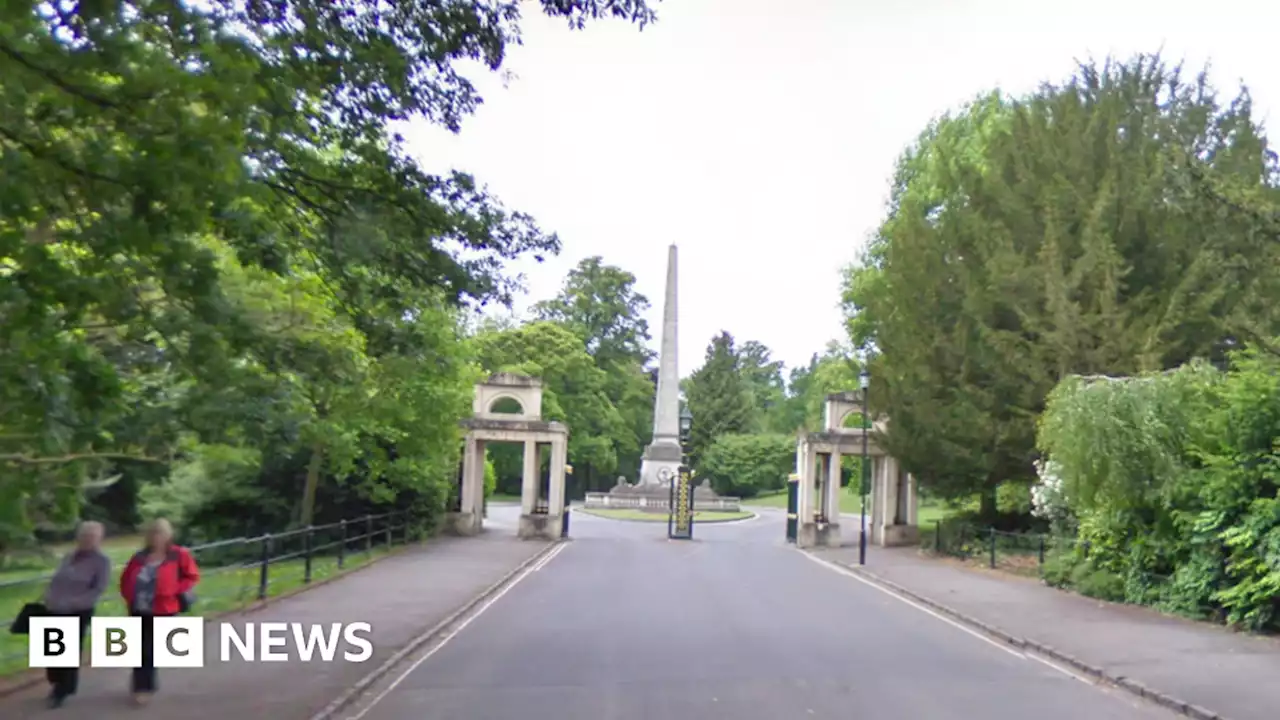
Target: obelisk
<point x="663" y="453"/>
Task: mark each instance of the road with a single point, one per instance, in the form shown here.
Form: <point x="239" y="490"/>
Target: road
<point x="625" y="625"/>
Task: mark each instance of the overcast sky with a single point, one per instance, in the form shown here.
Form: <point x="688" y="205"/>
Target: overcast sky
<point x="760" y="135"/>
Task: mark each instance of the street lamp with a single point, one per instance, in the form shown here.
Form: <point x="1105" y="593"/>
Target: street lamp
<point x="864" y="379"/>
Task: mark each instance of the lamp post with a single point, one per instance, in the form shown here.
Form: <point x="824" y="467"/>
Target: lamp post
<point x="864" y="379"/>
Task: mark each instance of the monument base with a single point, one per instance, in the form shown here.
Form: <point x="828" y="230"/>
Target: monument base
<point x="813" y="534"/>
<point x="539" y="527"/>
<point x="653" y="472"/>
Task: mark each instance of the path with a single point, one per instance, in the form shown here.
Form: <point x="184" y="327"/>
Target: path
<point x="400" y="596"/>
<point x="1228" y="673"/>
<point x="625" y="625"/>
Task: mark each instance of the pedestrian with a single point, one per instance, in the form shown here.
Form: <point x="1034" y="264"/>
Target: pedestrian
<point x="159" y="581"/>
<point x="74" y="590"/>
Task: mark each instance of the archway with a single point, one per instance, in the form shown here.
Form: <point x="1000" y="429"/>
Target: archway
<point x="496" y="420"/>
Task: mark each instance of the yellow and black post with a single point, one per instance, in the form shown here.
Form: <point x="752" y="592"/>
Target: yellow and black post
<point x="793" y="509"/>
<point x="680" y="521"/>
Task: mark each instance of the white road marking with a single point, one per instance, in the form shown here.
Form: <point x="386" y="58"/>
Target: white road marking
<point x="453" y="633"/>
<point x="849" y="573"/>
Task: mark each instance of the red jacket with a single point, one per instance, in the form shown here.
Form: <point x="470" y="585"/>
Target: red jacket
<point x="176" y="575"/>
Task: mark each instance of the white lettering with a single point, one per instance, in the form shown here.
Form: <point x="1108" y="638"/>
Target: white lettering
<point x="272" y="635"/>
<point x="366" y="647"/>
<point x="244" y="645"/>
<point x="328" y="644"/>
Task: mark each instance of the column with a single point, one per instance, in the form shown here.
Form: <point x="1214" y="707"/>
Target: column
<point x="471" y="454"/>
<point x="833" y="488"/>
<point x="892" y="487"/>
<point x="559" y="459"/>
<point x="912" y="501"/>
<point x="877" y="497"/>
<point x="529" y="477"/>
<point x="804" y="467"/>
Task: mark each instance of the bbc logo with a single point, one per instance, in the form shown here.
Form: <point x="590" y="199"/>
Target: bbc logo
<point x="116" y="642"/>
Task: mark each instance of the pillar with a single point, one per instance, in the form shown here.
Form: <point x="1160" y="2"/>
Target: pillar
<point x="559" y="461"/>
<point x="468" y="520"/>
<point x="832" y="488"/>
<point x="877" y="498"/>
<point x="529" y="478"/>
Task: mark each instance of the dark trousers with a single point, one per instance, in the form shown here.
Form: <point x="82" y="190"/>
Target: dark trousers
<point x="144" y="678"/>
<point x="66" y="681"/>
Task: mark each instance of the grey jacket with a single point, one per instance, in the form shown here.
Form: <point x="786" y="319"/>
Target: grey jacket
<point x="79" y="582"/>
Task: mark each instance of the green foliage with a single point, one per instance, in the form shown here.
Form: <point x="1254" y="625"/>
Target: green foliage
<point x="212" y="249"/>
<point x="598" y="303"/>
<point x="719" y="398"/>
<point x="748" y="465"/>
<point x="1171" y="477"/>
<point x="1123" y="221"/>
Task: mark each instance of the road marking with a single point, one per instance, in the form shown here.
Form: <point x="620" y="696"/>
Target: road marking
<point x="454" y="632"/>
<point x="953" y="623"/>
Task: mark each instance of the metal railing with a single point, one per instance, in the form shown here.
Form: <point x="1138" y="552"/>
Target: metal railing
<point x="237" y="572"/>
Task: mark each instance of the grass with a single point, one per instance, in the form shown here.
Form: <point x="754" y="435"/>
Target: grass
<point x="45" y="561"/>
<point x="927" y="513"/>
<point x="705" y="516"/>
<point x="221" y="589"/>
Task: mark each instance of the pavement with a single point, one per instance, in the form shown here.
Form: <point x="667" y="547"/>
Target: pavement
<point x="401" y="596"/>
<point x="623" y="624"/>
<point x="1231" y="674"/>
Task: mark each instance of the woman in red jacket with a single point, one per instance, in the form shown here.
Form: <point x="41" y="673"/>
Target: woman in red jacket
<point x="158" y="581"/>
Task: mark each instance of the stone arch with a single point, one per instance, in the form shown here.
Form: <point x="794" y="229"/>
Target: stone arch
<point x="505" y="405"/>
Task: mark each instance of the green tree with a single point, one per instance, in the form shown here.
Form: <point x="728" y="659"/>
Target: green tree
<point x="1066" y="231"/>
<point x="718" y="398"/>
<point x="747" y="465"/>
<point x="600" y="305"/>
<point x="763" y="376"/>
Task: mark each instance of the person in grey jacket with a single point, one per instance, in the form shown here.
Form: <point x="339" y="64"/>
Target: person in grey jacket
<point x="75" y="589"/>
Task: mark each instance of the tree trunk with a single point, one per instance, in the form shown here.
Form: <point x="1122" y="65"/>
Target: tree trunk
<point x="313" y="481"/>
<point x="987" y="508"/>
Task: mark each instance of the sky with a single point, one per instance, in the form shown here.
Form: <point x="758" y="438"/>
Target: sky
<point x="760" y="136"/>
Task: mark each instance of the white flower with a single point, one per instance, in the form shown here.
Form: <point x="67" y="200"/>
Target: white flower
<point x="1048" y="498"/>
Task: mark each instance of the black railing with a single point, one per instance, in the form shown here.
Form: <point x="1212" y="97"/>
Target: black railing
<point x="237" y="572"/>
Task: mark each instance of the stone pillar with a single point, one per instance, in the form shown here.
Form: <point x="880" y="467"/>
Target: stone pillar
<point x="832" y="491"/>
<point x="912" y="502"/>
<point x="468" y="519"/>
<point x="529" y="478"/>
<point x="559" y="461"/>
<point x="876" y="499"/>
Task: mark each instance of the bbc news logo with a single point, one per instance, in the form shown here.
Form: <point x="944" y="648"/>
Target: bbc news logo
<point x="179" y="642"/>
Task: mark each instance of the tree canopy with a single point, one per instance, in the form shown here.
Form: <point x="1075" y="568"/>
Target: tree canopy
<point x="1119" y="222"/>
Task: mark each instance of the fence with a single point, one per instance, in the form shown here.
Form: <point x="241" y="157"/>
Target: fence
<point x="237" y="572"/>
<point x="1020" y="553"/>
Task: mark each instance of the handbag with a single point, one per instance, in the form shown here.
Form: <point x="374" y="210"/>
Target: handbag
<point x="22" y="624"/>
<point x="186" y="600"/>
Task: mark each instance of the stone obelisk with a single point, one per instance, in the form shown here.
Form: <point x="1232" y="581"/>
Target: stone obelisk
<point x="663" y="453"/>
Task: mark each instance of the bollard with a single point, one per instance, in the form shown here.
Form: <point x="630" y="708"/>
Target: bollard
<point x="993" y="548"/>
<point x="564" y="523"/>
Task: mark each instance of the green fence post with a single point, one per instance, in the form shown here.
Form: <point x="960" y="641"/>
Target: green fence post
<point x="306" y="555"/>
<point x="937" y="538"/>
<point x="262" y="570"/>
<point x="993" y="548"/>
<point x="342" y="544"/>
<point x="1041" y="549"/>
<point x="368" y="533"/>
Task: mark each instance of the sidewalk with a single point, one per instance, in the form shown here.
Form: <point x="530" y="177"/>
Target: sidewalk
<point x="1234" y="675"/>
<point x="401" y="597"/>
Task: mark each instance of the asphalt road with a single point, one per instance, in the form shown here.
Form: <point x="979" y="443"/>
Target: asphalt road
<point x="626" y="625"/>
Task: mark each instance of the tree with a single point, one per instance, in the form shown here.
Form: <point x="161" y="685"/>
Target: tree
<point x="763" y="376"/>
<point x="747" y="465"/>
<point x="574" y="389"/>
<point x="600" y="305"/>
<point x="146" y="145"/>
<point x="718" y="397"/>
<point x="1066" y="231"/>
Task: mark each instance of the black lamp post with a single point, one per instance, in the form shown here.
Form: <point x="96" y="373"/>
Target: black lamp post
<point x="864" y="379"/>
